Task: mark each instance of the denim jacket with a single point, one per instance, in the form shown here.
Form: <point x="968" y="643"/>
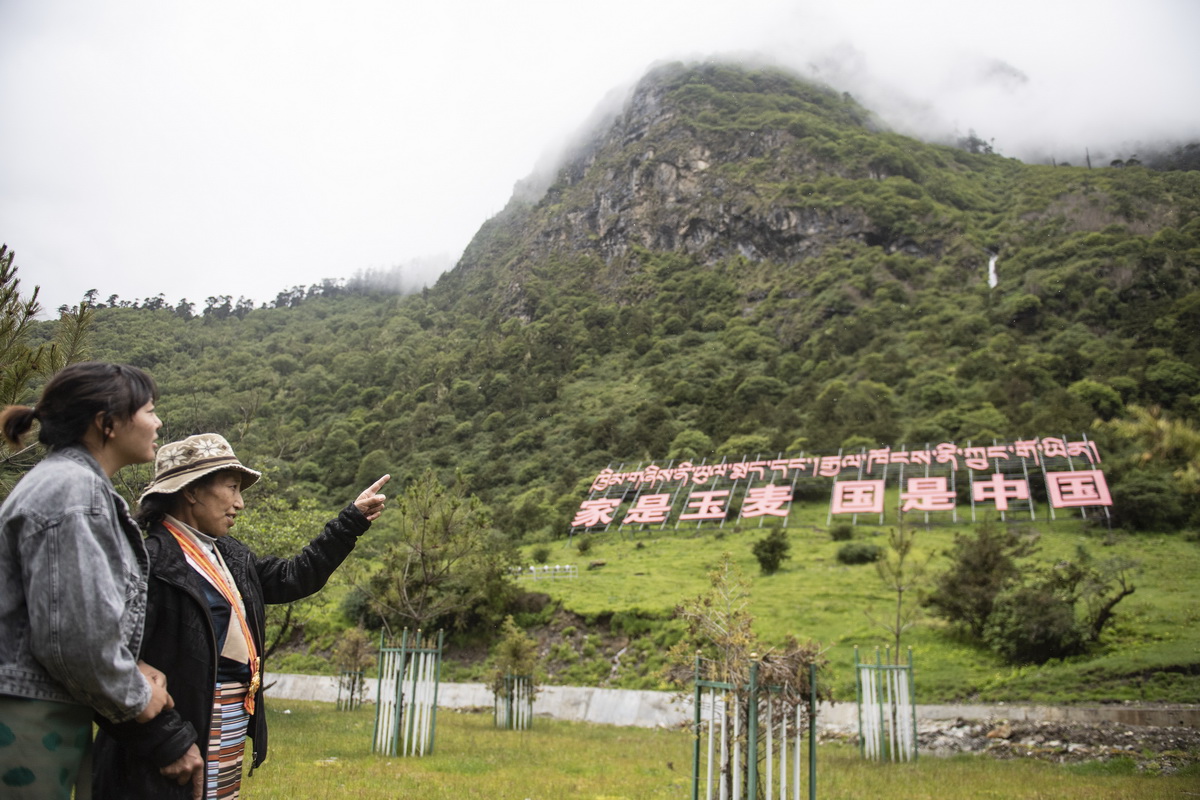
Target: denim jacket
<point x="73" y="573"/>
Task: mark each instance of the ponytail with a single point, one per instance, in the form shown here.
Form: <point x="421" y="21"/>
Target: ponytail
<point x="153" y="508"/>
<point x="15" y="422"/>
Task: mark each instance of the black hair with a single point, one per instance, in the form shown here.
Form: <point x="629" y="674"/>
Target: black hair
<point x="153" y="508"/>
<point x="73" y="397"/>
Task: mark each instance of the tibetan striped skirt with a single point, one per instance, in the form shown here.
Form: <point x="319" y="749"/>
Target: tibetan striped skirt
<point x="226" y="742"/>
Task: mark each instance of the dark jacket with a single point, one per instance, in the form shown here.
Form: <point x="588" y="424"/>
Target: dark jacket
<point x="180" y="641"/>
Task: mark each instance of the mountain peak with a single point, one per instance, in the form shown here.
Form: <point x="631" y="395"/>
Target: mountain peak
<point x="694" y="163"/>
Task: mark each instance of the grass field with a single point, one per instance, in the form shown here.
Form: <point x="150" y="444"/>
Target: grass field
<point x="317" y="753"/>
<point x="1151" y="654"/>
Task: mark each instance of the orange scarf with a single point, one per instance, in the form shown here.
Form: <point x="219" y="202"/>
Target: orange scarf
<point x="199" y="561"/>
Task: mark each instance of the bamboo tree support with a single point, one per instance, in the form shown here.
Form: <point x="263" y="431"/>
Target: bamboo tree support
<point x="406" y="707"/>
<point x="887" y="719"/>
<point x="735" y="746"/>
<point x="513" y="706"/>
<point x="352" y="682"/>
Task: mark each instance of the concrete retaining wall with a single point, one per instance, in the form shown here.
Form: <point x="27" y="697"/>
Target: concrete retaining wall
<point x="665" y="709"/>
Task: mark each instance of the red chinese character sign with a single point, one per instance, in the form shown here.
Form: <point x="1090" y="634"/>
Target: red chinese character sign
<point x="933" y="484"/>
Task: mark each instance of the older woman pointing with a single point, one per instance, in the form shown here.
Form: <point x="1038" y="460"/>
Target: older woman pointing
<point x="204" y="624"/>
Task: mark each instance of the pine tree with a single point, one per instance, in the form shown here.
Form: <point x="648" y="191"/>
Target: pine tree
<point x="22" y="365"/>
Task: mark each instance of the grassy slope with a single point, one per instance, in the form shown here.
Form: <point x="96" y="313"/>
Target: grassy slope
<point x="1151" y="654"/>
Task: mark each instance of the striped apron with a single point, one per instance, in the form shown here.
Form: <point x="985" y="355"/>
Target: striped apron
<point x="226" y="742"/>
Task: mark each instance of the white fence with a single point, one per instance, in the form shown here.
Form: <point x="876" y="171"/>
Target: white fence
<point x="748" y="742"/>
<point x="514" y="705"/>
<point x="887" y="720"/>
<point x="406" y="714"/>
<point x="546" y="572"/>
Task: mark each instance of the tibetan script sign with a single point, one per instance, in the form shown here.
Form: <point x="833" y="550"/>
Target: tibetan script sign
<point x="935" y="482"/>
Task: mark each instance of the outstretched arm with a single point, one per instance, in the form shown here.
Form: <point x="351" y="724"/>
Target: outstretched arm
<point x="287" y="580"/>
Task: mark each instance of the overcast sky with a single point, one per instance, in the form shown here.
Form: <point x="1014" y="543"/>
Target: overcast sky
<point x="208" y="148"/>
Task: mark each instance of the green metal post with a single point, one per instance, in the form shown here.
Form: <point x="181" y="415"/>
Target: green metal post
<point x="752" y="731"/>
<point x="858" y="694"/>
<point x="912" y="699"/>
<point x="696" y="735"/>
<point x="417" y="657"/>
<point x="437" y="682"/>
<point x="378" y="691"/>
<point x="812" y="731"/>
<point x="411" y="723"/>
<point x="400" y="710"/>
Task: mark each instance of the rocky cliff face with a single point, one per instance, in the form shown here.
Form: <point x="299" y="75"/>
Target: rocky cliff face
<point x="669" y="174"/>
<point x="656" y="181"/>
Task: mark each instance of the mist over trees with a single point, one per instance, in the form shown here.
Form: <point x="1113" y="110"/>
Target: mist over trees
<point x="412" y="276"/>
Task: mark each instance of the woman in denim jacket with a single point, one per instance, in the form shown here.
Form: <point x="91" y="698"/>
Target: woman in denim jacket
<point x="73" y="580"/>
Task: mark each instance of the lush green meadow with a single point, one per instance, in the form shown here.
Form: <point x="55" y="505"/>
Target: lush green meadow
<point x="1150" y="654"/>
<point x="317" y="752"/>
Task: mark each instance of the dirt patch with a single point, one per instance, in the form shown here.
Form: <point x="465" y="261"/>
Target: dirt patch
<point x="569" y="638"/>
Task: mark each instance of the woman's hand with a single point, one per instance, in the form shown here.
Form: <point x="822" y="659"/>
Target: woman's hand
<point x="159" y="697"/>
<point x="188" y="767"/>
<point x="370" y="502"/>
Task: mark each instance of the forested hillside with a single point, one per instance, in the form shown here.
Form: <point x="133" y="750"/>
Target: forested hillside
<point x="740" y="262"/>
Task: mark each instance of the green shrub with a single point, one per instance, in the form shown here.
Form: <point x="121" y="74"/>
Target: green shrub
<point x="859" y="553"/>
<point x="771" y="551"/>
<point x="540" y="554"/>
<point x="587" y="672"/>
<point x="584" y="544"/>
<point x="356" y="607"/>
<point x="631" y="623"/>
<point x="842" y="532"/>
<point x="563" y="652"/>
<point x="1144" y="500"/>
<point x="981" y="567"/>
<point x="1031" y="625"/>
<point x="515" y="654"/>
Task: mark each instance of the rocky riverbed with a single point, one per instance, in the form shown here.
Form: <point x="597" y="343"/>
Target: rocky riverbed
<point x="1163" y="750"/>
